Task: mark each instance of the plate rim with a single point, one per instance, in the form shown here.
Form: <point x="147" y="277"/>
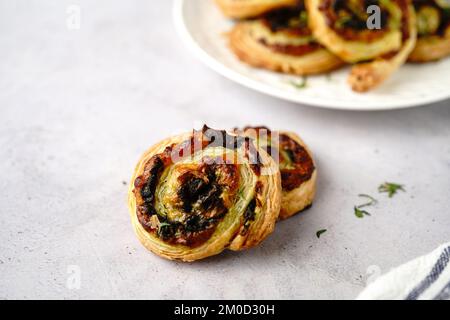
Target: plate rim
<point x="211" y="62"/>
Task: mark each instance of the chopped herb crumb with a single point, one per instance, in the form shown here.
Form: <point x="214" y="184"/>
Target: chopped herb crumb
<point x="361" y="213"/>
<point x="390" y="188"/>
<point x="303" y="83"/>
<point x="320" y="232"/>
<point x="165" y="230"/>
<point x="371" y="201"/>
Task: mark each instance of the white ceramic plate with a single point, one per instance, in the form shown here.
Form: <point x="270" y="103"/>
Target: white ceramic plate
<point x="202" y="27"/>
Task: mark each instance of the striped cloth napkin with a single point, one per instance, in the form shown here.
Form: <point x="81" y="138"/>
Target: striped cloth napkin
<point x="425" y="278"/>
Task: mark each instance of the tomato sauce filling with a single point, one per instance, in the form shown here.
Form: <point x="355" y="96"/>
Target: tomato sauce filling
<point x="300" y="166"/>
<point x="204" y="194"/>
<point x="296" y="164"/>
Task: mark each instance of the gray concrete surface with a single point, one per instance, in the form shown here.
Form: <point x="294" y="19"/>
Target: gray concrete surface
<point x="77" y="107"/>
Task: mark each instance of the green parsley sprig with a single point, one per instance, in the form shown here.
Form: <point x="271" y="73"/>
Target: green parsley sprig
<point x="390" y="188"/>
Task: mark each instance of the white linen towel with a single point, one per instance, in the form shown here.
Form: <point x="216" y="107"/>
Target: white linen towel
<point x="425" y="278"/>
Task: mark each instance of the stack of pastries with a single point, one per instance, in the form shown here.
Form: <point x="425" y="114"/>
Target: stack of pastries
<point x="196" y="194"/>
<point x="306" y="37"/>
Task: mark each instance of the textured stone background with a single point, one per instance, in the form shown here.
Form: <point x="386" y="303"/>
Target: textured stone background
<point x="77" y="107"/>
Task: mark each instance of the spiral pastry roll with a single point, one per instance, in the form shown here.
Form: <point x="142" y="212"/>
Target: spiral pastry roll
<point x="343" y="27"/>
<point x="282" y="41"/>
<point x="380" y="31"/>
<point x="296" y="165"/>
<point x="240" y="9"/>
<point x="196" y="194"/>
<point x="433" y="25"/>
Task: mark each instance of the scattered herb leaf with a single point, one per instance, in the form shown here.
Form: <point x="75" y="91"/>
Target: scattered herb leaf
<point x="320" y="232"/>
<point x="303" y="83"/>
<point x="390" y="188"/>
<point x="371" y="201"/>
<point x="361" y="213"/>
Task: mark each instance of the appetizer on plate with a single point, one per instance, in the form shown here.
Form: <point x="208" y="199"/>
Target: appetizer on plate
<point x="316" y="36"/>
<point x="239" y="9"/>
<point x="196" y="194"/>
<point x="433" y="24"/>
<point x="348" y="30"/>
<point x="282" y="41"/>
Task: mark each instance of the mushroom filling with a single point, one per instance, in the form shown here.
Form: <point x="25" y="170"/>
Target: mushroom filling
<point x="288" y="32"/>
<point x="350" y="18"/>
<point x="183" y="202"/>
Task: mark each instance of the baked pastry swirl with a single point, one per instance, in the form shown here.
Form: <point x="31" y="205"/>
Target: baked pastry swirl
<point x="343" y="27"/>
<point x="282" y="41"/>
<point x="296" y="164"/>
<point x="433" y="24"/>
<point x="195" y="194"/>
<point x="240" y="9"/>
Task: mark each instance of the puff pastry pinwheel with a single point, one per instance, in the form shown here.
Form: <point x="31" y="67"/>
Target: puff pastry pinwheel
<point x="385" y="37"/>
<point x="240" y="9"/>
<point x="196" y="194"/>
<point x="281" y="41"/>
<point x="433" y="24"/>
<point x="296" y="164"/>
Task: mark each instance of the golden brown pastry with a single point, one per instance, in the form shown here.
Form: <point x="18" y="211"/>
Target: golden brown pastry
<point x="433" y="24"/>
<point x="298" y="171"/>
<point x="196" y="194"/>
<point x="349" y="31"/>
<point x="240" y="9"/>
<point x="281" y="41"/>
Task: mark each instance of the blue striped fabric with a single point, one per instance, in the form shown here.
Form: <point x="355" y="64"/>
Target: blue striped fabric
<point x="438" y="268"/>
<point x="444" y="294"/>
